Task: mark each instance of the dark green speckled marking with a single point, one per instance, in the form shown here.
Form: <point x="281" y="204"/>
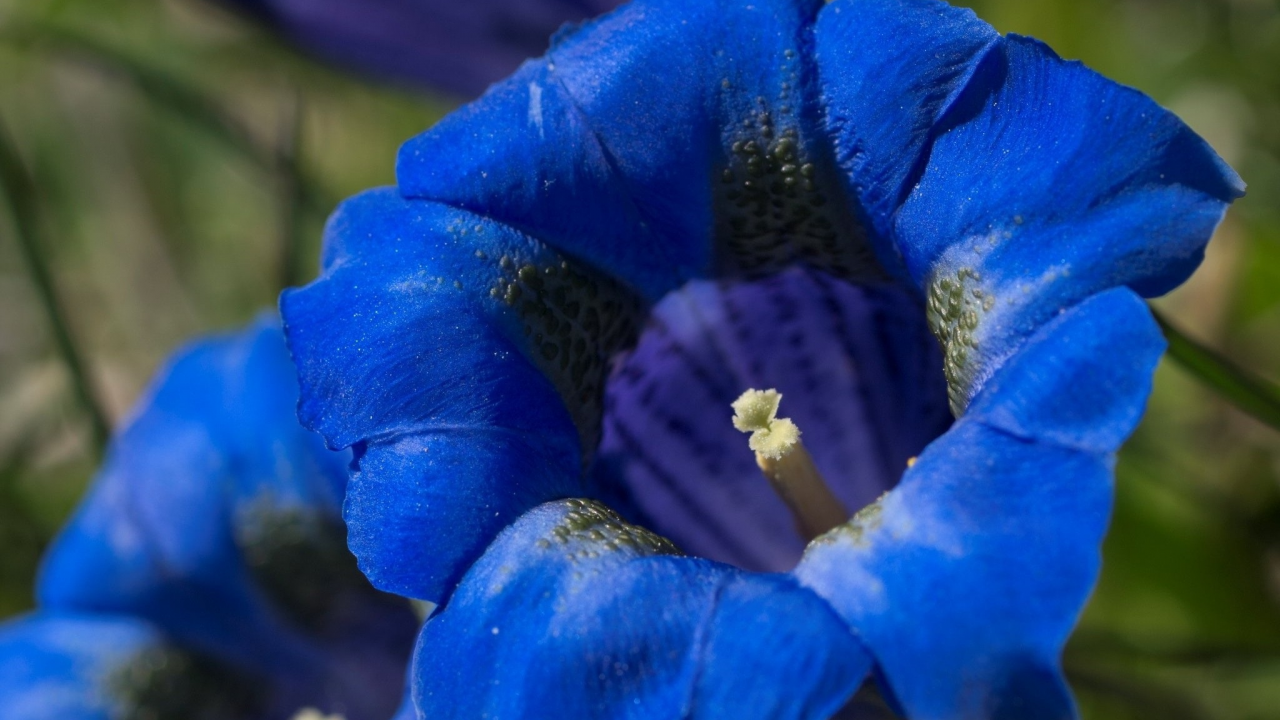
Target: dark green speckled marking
<point x="171" y="684"/>
<point x="575" y="319"/>
<point x="595" y="529"/>
<point x="955" y="308"/>
<point x="774" y="203"/>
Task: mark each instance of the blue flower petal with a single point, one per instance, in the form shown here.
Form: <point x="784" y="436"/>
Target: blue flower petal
<point x="216" y="517"/>
<point x="69" y="666"/>
<point x="438" y="44"/>
<point x="572" y="613"/>
<point x="890" y="71"/>
<point x="156" y="535"/>
<point x="859" y="373"/>
<point x="402" y="349"/>
<point x="577" y="150"/>
<point x="1010" y="183"/>
<point x="965" y="581"/>
<point x="60" y="666"/>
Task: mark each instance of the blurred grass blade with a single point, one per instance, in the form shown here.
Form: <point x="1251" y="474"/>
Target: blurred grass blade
<point x="1165" y="701"/>
<point x="154" y="83"/>
<point x="293" y="200"/>
<point x="171" y="93"/>
<point x="1249" y="393"/>
<point x="19" y="190"/>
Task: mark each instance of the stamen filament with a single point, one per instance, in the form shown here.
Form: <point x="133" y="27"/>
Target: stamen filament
<point x="786" y="463"/>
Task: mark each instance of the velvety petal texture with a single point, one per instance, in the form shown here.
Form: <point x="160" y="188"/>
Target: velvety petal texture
<point x="966" y="579"/>
<point x="573" y="613"/>
<point x="579" y="271"/>
<point x="459" y="47"/>
<point x="216" y="519"/>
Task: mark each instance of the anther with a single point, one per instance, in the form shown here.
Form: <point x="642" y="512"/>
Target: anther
<point x="786" y="463"/>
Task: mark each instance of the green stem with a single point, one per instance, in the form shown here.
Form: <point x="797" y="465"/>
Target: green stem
<point x="1246" y="391"/>
<point x="19" y="188"/>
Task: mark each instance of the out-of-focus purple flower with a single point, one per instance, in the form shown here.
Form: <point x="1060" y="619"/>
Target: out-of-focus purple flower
<point x="460" y="47"/>
<point x="205" y="575"/>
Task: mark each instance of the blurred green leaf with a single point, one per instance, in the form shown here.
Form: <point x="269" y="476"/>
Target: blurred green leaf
<point x="1246" y="391"/>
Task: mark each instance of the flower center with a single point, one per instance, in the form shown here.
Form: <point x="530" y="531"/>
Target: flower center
<point x="862" y="375"/>
<point x="786" y="463"/>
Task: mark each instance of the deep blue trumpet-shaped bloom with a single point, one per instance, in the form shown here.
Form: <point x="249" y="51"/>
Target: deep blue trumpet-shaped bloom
<point x="460" y="47"/>
<point x="930" y="238"/>
<point x="206" y="573"/>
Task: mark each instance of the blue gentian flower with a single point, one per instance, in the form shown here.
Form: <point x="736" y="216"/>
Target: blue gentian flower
<point x="206" y="573"/>
<point x="459" y="47"/>
<point x="931" y="239"/>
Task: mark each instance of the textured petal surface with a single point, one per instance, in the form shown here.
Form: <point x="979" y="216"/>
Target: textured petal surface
<point x="216" y="517"/>
<point x="572" y="613"/>
<point x="859" y="374"/>
<point x="1007" y="182"/>
<point x="967" y="578"/>
<point x="437" y="44"/>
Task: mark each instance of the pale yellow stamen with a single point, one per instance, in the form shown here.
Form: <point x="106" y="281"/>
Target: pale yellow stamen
<point x="787" y="464"/>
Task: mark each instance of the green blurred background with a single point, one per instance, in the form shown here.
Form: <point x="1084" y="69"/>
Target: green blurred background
<point x="183" y="161"/>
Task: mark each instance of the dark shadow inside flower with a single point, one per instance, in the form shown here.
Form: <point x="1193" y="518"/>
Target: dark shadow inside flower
<point x="859" y="372"/>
